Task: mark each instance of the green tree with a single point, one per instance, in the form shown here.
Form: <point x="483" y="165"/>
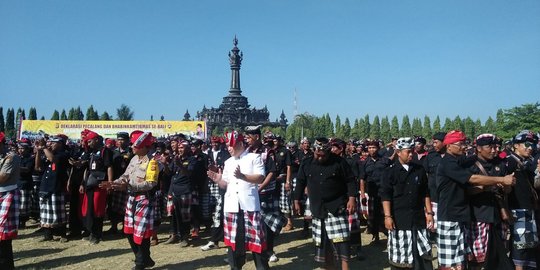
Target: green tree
<point x="478" y="128"/>
<point x="63" y="115"/>
<point x="375" y="130"/>
<point x="394" y="128"/>
<point x="458" y="123"/>
<point x="526" y="116"/>
<point x="468" y="128"/>
<point x="355" y="133"/>
<point x="489" y="126"/>
<point x="10" y="123"/>
<point x="426" y="130"/>
<point x="105" y="116"/>
<point x="2" y="122"/>
<point x="91" y="114"/>
<point x="362" y="129"/>
<point x="448" y="124"/>
<point x="328" y="126"/>
<point x="55" y="115"/>
<point x="500" y="125"/>
<point x="346" y="129"/>
<point x="437" y="125"/>
<point x="367" y="125"/>
<point x="42" y="118"/>
<point x="71" y="114"/>
<point x="416" y="127"/>
<point x="79" y="114"/>
<point x="385" y="129"/>
<point x="337" y="125"/>
<point x="32" y="114"/>
<point x="406" y="130"/>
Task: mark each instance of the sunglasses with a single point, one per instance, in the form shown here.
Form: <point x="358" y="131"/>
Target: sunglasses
<point x="528" y="144"/>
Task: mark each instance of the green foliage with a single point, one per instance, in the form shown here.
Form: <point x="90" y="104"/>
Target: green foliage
<point x="2" y="122"/>
<point x="394" y="128"/>
<point x="91" y="114"/>
<point x="385" y="129"/>
<point x="55" y="115"/>
<point x="437" y="125"/>
<point x="448" y="124"/>
<point x="416" y="127"/>
<point x="63" y="115"/>
<point x="489" y="126"/>
<point x="10" y="123"/>
<point x="406" y="130"/>
<point x="124" y="113"/>
<point x="516" y="119"/>
<point x="468" y="128"/>
<point x="346" y="129"/>
<point x="426" y="129"/>
<point x="32" y="114"/>
<point x="375" y="130"/>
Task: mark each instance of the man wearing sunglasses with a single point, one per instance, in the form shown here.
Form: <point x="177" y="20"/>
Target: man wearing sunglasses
<point x="453" y="180"/>
<point x="523" y="201"/>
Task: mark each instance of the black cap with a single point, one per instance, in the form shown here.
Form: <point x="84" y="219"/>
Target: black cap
<point x="122" y="135"/>
<point x="439" y="136"/>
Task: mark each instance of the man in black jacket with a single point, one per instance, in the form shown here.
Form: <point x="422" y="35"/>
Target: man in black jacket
<point x="404" y="194"/>
<point x="332" y="194"/>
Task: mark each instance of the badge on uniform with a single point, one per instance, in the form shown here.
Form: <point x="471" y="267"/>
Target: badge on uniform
<point x="93" y="167"/>
<point x="152" y="171"/>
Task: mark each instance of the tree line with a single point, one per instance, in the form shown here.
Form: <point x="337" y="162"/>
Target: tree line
<point x="506" y="124"/>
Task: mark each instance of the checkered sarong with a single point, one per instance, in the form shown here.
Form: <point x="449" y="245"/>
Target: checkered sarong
<point x="336" y="227"/>
<point x="216" y="215"/>
<point x="208" y="204"/>
<point x="117" y="202"/>
<point x="524" y="231"/>
<point x="158" y="208"/>
<point x="434" y="209"/>
<point x="9" y="214"/>
<point x="26" y="202"/>
<point x="34" y="203"/>
<point x="307" y="211"/>
<point x="401" y="245"/>
<point x="285" y="200"/>
<point x="182" y="202"/>
<point x="271" y="215"/>
<point x="52" y="211"/>
<point x="477" y="237"/>
<point x="169" y="206"/>
<point x="452" y="248"/>
<point x="255" y="240"/>
<point x="139" y="218"/>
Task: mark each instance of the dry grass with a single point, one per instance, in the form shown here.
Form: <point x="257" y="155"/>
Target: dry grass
<point x="293" y="252"/>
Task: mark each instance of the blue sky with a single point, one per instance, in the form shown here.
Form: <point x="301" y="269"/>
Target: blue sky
<point x="350" y="58"/>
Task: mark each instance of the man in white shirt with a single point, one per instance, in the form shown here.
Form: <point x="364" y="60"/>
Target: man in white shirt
<point x="243" y="227"/>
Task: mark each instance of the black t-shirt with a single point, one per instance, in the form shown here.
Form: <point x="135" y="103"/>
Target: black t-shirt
<point x="521" y="196"/>
<point x="283" y="159"/>
<point x="100" y="160"/>
<point x="452" y="183"/>
<point x="181" y="181"/>
<point x="296" y="159"/>
<point x="329" y="185"/>
<point x="56" y="174"/>
<point x="431" y="162"/>
<point x="407" y="190"/>
<point x="484" y="205"/>
<point x="373" y="169"/>
<point x="121" y="159"/>
<point x="25" y="180"/>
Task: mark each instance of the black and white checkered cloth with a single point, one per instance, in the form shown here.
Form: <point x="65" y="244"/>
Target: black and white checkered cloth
<point x="9" y="214"/>
<point x="216" y="215"/>
<point x="271" y="215"/>
<point x="337" y="228"/>
<point x="117" y="201"/>
<point x="285" y="200"/>
<point x="401" y="245"/>
<point x="34" y="204"/>
<point x="52" y="211"/>
<point x="524" y="230"/>
<point x="159" y="207"/>
<point x="452" y="248"/>
<point x="26" y="202"/>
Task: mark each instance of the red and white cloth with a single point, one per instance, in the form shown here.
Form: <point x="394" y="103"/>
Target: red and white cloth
<point x="139" y="218"/>
<point x="9" y="214"/>
<point x="255" y="240"/>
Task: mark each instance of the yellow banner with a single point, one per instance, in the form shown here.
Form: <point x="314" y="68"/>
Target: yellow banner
<point x="108" y="129"/>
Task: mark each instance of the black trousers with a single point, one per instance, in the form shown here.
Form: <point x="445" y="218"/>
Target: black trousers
<point x="6" y="255"/>
<point x="375" y="216"/>
<point x="179" y="227"/>
<point x="237" y="258"/>
<point x="142" y="252"/>
<point x="93" y="224"/>
<point x="75" y="222"/>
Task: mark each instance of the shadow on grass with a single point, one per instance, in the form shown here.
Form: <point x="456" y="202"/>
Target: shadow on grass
<point x="19" y="255"/>
<point x="209" y="261"/>
<point x="68" y="260"/>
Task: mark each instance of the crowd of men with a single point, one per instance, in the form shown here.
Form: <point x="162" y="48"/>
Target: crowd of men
<point x="475" y="200"/>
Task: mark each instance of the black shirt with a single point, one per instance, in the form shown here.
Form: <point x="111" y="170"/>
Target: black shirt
<point x="431" y="162"/>
<point x="56" y="174"/>
<point x="283" y="159"/>
<point x="121" y="159"/>
<point x="407" y="191"/>
<point x="181" y="181"/>
<point x="452" y="183"/>
<point x="373" y="169"/>
<point x="521" y="196"/>
<point x="329" y="185"/>
<point x="296" y="158"/>
<point x="484" y="205"/>
<point x="25" y="180"/>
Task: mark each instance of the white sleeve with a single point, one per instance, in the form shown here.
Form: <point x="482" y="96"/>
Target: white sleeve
<point x="258" y="166"/>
